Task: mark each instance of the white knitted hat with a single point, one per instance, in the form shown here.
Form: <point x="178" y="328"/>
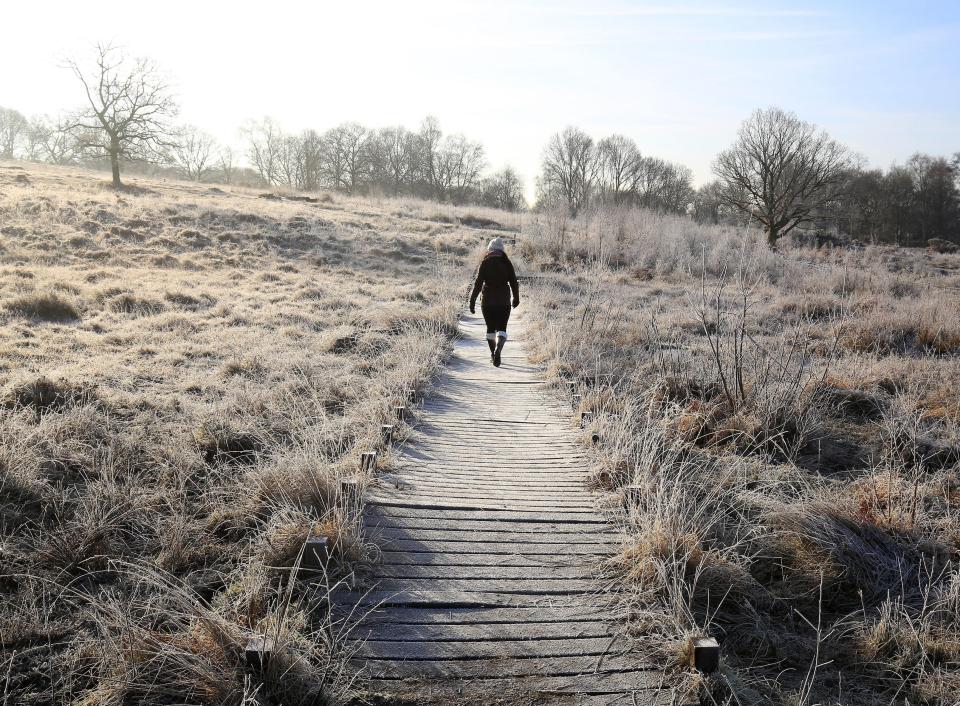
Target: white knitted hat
<point x="496" y="244"/>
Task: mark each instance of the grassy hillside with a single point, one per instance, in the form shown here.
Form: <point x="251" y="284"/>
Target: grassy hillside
<point x="186" y="374"/>
<point x="782" y="433"/>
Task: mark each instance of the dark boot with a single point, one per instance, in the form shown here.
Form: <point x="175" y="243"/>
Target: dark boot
<point x="493" y="348"/>
<point x="498" y="350"/>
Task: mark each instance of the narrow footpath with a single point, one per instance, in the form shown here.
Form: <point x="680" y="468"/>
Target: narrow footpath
<point x="491" y="539"/>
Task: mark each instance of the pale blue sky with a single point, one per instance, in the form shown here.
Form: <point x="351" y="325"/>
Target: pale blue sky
<point x="883" y="77"/>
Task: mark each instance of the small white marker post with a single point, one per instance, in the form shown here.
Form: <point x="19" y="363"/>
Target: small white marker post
<point x="387" y="431"/>
<point x="401" y="412"/>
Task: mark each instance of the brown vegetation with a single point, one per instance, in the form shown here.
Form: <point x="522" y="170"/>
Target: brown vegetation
<point x="185" y="378"/>
<point x="781" y="429"/>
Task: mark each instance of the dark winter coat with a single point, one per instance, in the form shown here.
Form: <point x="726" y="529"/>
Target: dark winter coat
<point x="495" y="279"/>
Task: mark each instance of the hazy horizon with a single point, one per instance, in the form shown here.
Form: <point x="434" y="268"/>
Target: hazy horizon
<point x="678" y="78"/>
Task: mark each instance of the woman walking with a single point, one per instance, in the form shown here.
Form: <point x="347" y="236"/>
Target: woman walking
<point x="495" y="279"/>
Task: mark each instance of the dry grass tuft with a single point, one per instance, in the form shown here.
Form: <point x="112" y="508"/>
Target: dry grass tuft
<point x="44" y="307"/>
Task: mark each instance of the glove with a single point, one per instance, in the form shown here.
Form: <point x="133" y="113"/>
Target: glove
<point x="516" y="302"/>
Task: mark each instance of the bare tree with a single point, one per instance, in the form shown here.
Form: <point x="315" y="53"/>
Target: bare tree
<point x="226" y="165"/>
<point x="503" y="190"/>
<point x="129" y="106"/>
<point x="194" y="152"/>
<point x="619" y="167"/>
<point x="400" y="156"/>
<point x="429" y="145"/>
<point x="13" y="130"/>
<point x="662" y="186"/>
<point x="311" y="155"/>
<point x="34" y="139"/>
<point x="264" y="146"/>
<point x="290" y="162"/>
<point x="462" y="161"/>
<point x="569" y="168"/>
<point x="335" y="157"/>
<point x="355" y="137"/>
<point x="781" y="170"/>
<point x="58" y="142"/>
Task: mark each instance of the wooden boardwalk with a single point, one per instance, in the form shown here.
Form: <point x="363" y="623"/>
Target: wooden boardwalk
<point x="491" y="538"/>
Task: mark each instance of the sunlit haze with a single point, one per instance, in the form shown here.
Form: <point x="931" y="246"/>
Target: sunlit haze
<point x="882" y="77"/>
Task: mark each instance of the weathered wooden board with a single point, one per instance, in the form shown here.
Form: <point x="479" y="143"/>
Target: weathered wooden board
<point x="492" y="571"/>
<point x="489" y="616"/>
<point x="525" y="586"/>
<point x="442" y="524"/>
<point x="498" y="667"/>
<point x="385" y="534"/>
<point x="475" y="649"/>
<point x="483" y="559"/>
<point x="602" y="683"/>
<point x="445" y="632"/>
<point x="509" y="548"/>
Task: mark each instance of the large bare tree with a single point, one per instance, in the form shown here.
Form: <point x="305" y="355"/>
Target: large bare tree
<point x="503" y="190"/>
<point x="569" y="169"/>
<point x="781" y="170"/>
<point x="194" y="152"/>
<point x="265" y="144"/>
<point x="129" y="106"/>
<point x="460" y="162"/>
<point x="356" y="158"/>
<point x="400" y="156"/>
<point x="619" y="167"/>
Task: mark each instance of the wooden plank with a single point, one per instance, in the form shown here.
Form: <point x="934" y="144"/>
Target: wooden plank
<point x="639" y="681"/>
<point x="505" y="486"/>
<point x="456" y="650"/>
<point x="455" y="599"/>
<point x="458" y="513"/>
<point x="468" y="616"/>
<point x="485" y="559"/>
<point x="517" y="456"/>
<point x="496" y="668"/>
<point x="489" y="571"/>
<point x="476" y="505"/>
<point x="469" y="421"/>
<point x="439" y="430"/>
<point x="547" y="470"/>
<point x="597" y="526"/>
<point x="438" y="545"/>
<point x="441" y="500"/>
<point x="444" y="632"/>
<point x="533" y="496"/>
<point x="495" y="535"/>
<point x="549" y="480"/>
<point x="534" y="586"/>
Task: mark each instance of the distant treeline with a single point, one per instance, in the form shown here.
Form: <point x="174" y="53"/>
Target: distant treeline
<point x="350" y="158"/>
<point x="781" y="173"/>
<point x="907" y="204"/>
